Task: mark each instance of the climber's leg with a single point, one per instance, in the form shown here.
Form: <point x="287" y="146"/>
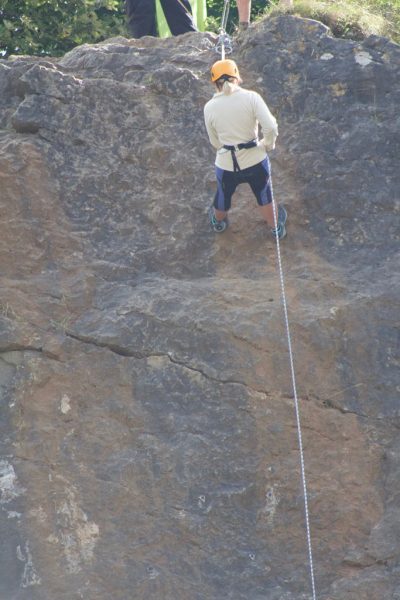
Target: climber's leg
<point x="220" y="214"/>
<point x="267" y="212"/>
<point x="259" y="179"/>
<point x="244" y="9"/>
<point x="218" y="224"/>
<point x="226" y="185"/>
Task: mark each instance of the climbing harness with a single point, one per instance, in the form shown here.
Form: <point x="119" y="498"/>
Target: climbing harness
<point x="297" y="408"/>
<point x="224" y="42"/>
<point x="234" y="149"/>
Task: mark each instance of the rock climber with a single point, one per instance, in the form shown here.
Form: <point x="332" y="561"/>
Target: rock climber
<point x="232" y="117"/>
<point x="162" y="17"/>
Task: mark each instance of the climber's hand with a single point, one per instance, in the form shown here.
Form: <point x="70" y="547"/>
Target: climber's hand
<point x="268" y="141"/>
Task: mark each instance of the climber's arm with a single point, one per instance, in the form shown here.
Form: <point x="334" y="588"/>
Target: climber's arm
<point x="212" y="134"/>
<point x="267" y="121"/>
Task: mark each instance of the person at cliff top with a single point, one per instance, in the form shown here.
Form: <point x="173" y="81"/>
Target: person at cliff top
<point x="164" y="17"/>
<point x="244" y="9"/>
<point x="232" y="117"/>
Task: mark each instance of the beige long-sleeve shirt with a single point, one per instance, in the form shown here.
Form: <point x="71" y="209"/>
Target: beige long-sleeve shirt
<point x="233" y="119"/>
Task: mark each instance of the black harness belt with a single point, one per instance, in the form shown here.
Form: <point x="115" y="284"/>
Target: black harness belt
<point x="234" y="149"/>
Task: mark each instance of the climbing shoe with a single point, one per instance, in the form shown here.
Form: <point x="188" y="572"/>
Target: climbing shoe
<point x="280" y="230"/>
<point x="218" y="226"/>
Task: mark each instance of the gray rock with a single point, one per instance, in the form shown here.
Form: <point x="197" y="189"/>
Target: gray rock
<point x="149" y="445"/>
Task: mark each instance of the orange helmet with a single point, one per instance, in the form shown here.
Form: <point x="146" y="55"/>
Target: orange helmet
<point x="224" y="67"/>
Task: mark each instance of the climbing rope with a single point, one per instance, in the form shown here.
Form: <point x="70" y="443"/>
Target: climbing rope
<point x="224" y="42"/>
<point x="296" y="403"/>
<point x="224" y="46"/>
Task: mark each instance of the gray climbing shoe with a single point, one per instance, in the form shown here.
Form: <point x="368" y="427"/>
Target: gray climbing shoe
<point x="218" y="226"/>
<point x="280" y="230"/>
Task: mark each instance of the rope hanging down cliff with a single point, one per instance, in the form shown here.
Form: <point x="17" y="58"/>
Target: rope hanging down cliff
<point x="297" y="408"/>
<point x="224" y="42"/>
<point x="224" y="46"/>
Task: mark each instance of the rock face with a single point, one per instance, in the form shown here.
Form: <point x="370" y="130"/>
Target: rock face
<point x="148" y="434"/>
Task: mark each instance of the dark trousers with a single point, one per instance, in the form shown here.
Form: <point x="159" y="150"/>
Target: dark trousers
<point x="141" y="16"/>
<point x="257" y="176"/>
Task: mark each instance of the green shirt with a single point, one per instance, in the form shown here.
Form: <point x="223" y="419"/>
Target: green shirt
<point x="199" y="10"/>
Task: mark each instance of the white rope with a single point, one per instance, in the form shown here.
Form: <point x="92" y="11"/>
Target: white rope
<point x="225" y="14"/>
<point x="224" y="44"/>
<point x="296" y="403"/>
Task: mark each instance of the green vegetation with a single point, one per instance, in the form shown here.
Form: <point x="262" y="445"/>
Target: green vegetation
<point x="52" y="27"/>
<point x="215" y="8"/>
<point x="354" y="19"/>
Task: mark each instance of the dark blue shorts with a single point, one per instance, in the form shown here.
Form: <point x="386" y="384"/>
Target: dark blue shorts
<point x="258" y="177"/>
